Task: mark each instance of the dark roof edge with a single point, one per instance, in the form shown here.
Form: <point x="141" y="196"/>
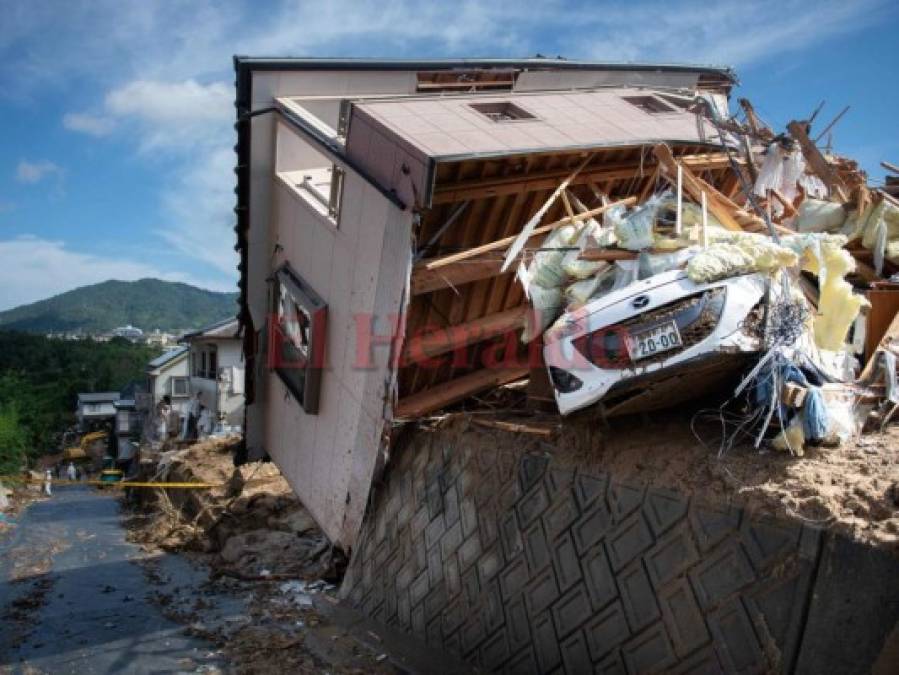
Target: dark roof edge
<point x="301" y="63"/>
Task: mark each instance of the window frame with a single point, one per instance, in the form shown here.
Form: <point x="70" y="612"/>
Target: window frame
<point x="301" y="374"/>
<point x="180" y="379"/>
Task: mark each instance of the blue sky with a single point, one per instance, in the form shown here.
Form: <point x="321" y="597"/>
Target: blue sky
<point x="116" y="117"/>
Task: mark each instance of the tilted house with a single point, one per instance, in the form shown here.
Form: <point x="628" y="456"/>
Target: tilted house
<point x="375" y="201"/>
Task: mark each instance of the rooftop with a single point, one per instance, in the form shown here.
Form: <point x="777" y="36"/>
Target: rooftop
<point x="167" y="357"/>
<point x="222" y="330"/>
<point x="458" y="126"/>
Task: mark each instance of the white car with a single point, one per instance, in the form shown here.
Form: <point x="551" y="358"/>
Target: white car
<point x="654" y="342"/>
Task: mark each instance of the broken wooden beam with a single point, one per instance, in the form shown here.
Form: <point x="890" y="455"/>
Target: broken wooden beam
<point x="607" y="254"/>
<point x="514" y="427"/>
<point x="426" y="346"/>
<point x="789" y="209"/>
<point x="721" y="206"/>
<point x="434" y="398"/>
<point x="758" y="128"/>
<point x="817" y="162"/>
<point x="477" y="262"/>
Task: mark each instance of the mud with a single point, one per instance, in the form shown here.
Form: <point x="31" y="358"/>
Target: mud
<point x="853" y="489"/>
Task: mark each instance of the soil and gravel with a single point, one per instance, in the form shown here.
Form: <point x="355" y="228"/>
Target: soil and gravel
<point x="853" y="489"/>
<point x="252" y="525"/>
<point x="255" y="576"/>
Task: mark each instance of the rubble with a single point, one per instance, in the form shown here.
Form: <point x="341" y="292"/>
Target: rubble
<point x="253" y="525"/>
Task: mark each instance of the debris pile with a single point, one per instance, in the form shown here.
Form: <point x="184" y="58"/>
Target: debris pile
<point x="631" y="298"/>
<point x="253" y="524"/>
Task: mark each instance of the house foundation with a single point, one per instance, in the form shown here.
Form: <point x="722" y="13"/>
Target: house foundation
<point x="518" y="557"/>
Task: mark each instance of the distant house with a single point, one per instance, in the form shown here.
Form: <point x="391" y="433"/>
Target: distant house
<point x="158" y="338"/>
<point x="95" y="409"/>
<point x="169" y="375"/>
<point x="217" y="371"/>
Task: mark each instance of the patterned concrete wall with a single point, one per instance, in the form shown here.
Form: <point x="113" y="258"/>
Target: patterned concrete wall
<point x="519" y="563"/>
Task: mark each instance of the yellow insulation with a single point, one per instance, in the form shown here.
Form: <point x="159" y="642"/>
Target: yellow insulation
<point x="742" y="254"/>
<point x="838" y="306"/>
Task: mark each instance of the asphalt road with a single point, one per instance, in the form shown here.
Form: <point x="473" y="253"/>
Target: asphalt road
<point x="73" y="598"/>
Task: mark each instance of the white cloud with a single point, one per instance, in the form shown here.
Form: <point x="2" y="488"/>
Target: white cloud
<point x="35" y="172"/>
<point x="93" y="125"/>
<point x="735" y="32"/>
<point x="166" y="72"/>
<point x="200" y="203"/>
<point x="34" y="269"/>
<point x="173" y="114"/>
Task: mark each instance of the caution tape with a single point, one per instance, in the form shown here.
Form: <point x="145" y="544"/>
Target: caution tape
<point x="122" y="484"/>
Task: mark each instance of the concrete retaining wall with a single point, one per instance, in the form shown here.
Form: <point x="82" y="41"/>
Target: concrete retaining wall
<point x="518" y="562"/>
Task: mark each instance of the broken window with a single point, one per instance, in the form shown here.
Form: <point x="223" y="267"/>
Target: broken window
<point x="650" y="104"/>
<point x="297" y="337"/>
<point x="503" y="111"/>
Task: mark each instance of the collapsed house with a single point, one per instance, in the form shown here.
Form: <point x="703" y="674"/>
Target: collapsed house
<point x="605" y="237"/>
<point x="399" y="223"/>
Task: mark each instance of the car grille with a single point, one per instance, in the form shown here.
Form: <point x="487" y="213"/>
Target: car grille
<point x="696" y="317"/>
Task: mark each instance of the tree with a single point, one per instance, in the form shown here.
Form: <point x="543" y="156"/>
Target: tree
<point x="13" y="442"/>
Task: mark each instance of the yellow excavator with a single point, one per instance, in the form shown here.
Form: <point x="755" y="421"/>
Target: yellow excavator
<point x="90" y="448"/>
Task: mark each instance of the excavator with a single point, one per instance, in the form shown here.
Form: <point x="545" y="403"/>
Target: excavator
<point x="89" y="449"/>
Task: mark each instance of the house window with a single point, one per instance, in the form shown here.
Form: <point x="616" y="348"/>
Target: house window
<point x="180" y="386"/>
<point x="650" y="104"/>
<point x="204" y="361"/>
<point x="297" y="337"/>
<point x="503" y="111"/>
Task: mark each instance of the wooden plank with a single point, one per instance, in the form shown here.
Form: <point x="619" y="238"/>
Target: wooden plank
<point x="789" y="209"/>
<point x="447" y="393"/>
<point x="513" y="427"/>
<point x="817" y="162"/>
<point x="721" y="207"/>
<point x="607" y="254"/>
<point x="752" y="119"/>
<point x="890" y="334"/>
<point x="427" y="274"/>
<point x="422" y="347"/>
<point x="548" y="180"/>
<point x="524" y="235"/>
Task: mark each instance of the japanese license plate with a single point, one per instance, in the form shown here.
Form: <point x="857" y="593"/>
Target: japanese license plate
<point x="650" y="342"/>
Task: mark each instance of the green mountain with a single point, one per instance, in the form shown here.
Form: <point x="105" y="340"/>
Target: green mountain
<point x="147" y="304"/>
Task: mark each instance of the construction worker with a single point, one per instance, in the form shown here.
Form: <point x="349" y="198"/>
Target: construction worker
<point x="72" y="472"/>
<point x="48" y="482"/>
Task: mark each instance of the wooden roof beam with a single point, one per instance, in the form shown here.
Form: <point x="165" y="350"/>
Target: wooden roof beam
<point x="437" y="397"/>
<point x="549" y="180"/>
<point x="817" y="162"/>
<point x="426" y="346"/>
<point x="478" y="262"/>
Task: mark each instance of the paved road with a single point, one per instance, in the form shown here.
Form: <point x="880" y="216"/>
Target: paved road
<point x="74" y="600"/>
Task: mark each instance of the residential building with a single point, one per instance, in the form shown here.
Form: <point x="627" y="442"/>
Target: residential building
<point x="216" y="366"/>
<point x="169" y="375"/>
<point x="353" y="173"/>
<point x="96" y="409"/>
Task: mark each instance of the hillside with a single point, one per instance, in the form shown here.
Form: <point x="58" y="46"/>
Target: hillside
<point x="147" y="304"/>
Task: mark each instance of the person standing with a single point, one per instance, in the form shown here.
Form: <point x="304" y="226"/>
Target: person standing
<point x="48" y="482"/>
<point x="71" y="472"/>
